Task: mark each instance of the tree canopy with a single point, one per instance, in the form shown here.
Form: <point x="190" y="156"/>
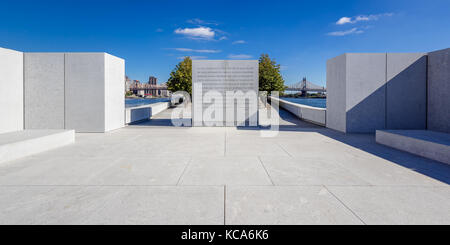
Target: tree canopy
<point x="181" y="77"/>
<point x="270" y="78"/>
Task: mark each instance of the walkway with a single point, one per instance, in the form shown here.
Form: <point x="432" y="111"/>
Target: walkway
<point x="155" y="174"/>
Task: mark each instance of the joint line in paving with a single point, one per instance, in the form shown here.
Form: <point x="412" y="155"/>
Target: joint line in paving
<point x="284" y="150"/>
<point x="267" y="172"/>
<point x="348" y="208"/>
<point x="225" y="145"/>
<point x="224" y="205"/>
<point x="184" y="170"/>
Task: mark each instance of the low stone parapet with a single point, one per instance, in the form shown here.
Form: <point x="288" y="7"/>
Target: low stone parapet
<point x="145" y="112"/>
<point x="310" y="114"/>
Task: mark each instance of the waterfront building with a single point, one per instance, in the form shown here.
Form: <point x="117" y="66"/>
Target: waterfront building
<point x="127" y="83"/>
<point x="152" y="80"/>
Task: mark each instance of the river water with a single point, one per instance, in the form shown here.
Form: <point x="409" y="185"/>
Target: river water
<point x="140" y="102"/>
<point x="321" y="103"/>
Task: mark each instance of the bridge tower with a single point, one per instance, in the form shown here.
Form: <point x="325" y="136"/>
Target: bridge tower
<point x="303" y="87"/>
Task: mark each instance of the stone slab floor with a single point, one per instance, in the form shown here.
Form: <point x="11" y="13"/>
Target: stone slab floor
<point x="152" y="173"/>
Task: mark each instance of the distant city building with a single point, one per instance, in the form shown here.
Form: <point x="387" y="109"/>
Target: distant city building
<point x="152" y="80"/>
<point x="151" y="88"/>
<point x="127" y="83"/>
<point x="165" y="92"/>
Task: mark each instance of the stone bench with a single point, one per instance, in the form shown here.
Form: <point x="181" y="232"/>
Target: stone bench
<point x="24" y="143"/>
<point x="425" y="143"/>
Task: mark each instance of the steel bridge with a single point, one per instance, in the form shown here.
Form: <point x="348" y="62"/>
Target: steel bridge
<point x="305" y="86"/>
<point x="148" y="89"/>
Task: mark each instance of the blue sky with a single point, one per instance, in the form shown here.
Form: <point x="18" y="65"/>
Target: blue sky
<point x="152" y="36"/>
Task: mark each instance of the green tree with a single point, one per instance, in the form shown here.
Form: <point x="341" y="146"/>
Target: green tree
<point x="270" y="78"/>
<point x="181" y="77"/>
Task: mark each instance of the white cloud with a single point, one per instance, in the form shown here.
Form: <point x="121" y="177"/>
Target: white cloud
<point x="197" y="21"/>
<point x="239" y="42"/>
<point x="344" y="20"/>
<point x="359" y="18"/>
<point x="210" y="51"/>
<point x="239" y="56"/>
<point x="197" y="33"/>
<point x="193" y="57"/>
<point x="347" y="32"/>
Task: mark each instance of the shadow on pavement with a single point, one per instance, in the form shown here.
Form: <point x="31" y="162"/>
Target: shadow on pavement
<point x="364" y="142"/>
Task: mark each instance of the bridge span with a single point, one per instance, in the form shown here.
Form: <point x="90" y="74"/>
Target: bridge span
<point x="149" y="89"/>
<point x="305" y="86"/>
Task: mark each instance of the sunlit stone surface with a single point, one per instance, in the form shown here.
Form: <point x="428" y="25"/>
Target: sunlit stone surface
<point x="227" y="87"/>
